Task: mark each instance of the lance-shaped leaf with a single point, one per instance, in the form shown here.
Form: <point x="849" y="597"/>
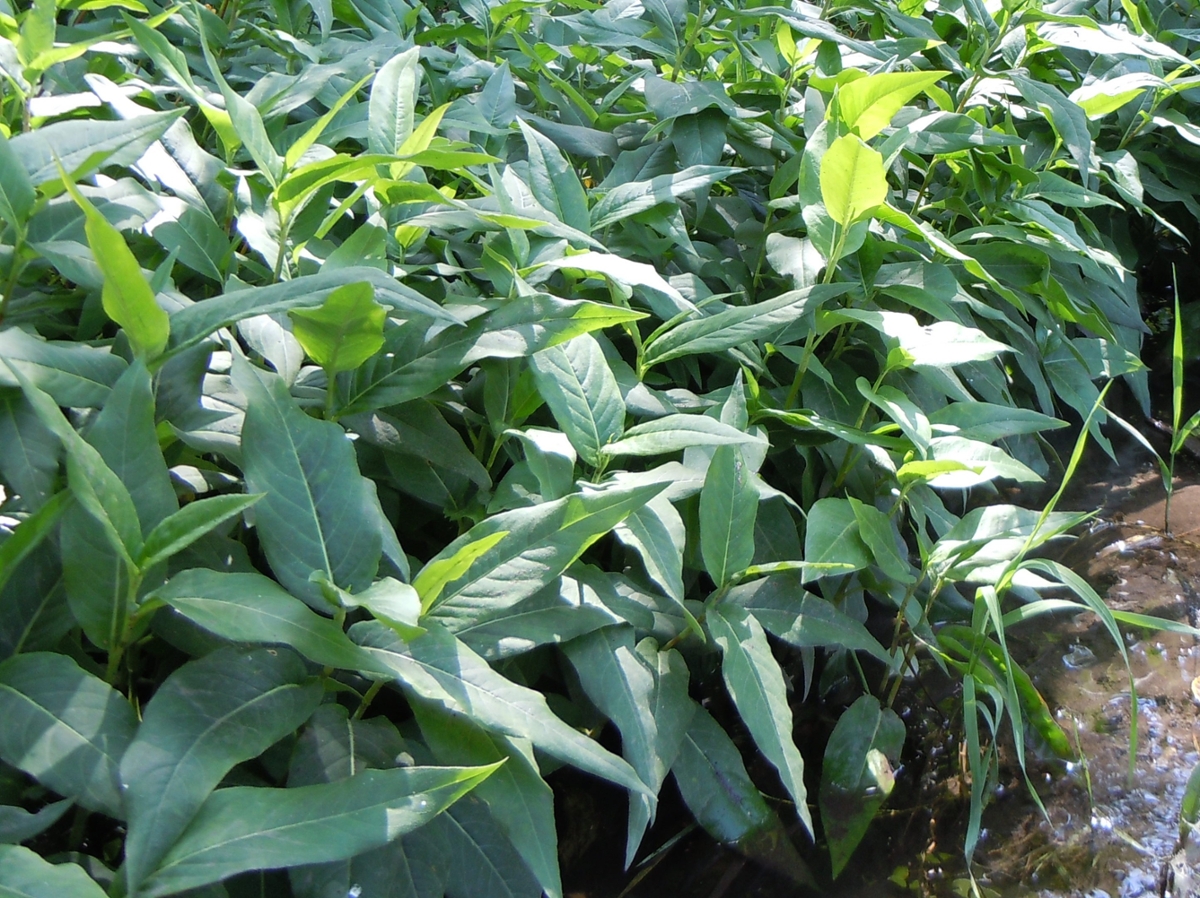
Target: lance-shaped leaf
<point x="23" y="874"/>
<point x="251" y="608"/>
<point x="516" y="795"/>
<point x="29" y="534"/>
<point x="728" y="507"/>
<point x="857" y="776"/>
<point x="212" y="713"/>
<point x="16" y="190"/>
<point x="29" y="452"/>
<point x="553" y="180"/>
<point x="853" y="181"/>
<point x="244" y="828"/>
<point x="18" y="825"/>
<point x="184" y="527"/>
<point x="657" y="533"/>
<point x="542" y="542"/>
<point x="755" y="682"/>
<point x="413" y="366"/>
<point x="644" y="692"/>
<point x="126" y="296"/>
<point x="438" y="668"/>
<point x="315" y="515"/>
<point x="344" y="331"/>
<point x="832" y="535"/>
<point x="582" y="392"/>
<point x="393" y="102"/>
<point x="733" y="327"/>
<point x="631" y="198"/>
<point x="76" y="375"/>
<point x="65" y="728"/>
<point x="81" y="146"/>
<point x="674" y="433"/>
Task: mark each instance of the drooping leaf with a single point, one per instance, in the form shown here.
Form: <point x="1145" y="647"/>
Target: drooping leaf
<point x="755" y="682"/>
<point x="857" y="775"/>
<point x="210" y="714"/>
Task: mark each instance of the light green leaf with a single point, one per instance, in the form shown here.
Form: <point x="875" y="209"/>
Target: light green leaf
<point x="209" y="715"/>
<point x="127" y="297"/>
<point x="184" y="527"/>
<point x="728" y="506"/>
<point x="853" y="181"/>
<point x="344" y="331"/>
<point x="674" y="433"/>
<point x="65" y="728"/>
<point x="23" y="874"/>
<point x="315" y="515"/>
<point x="755" y="683"/>
<point x="243" y="828"/>
<point x="857" y="777"/>
<point x="582" y="393"/>
<point x="250" y="608"/>
<point x="542" y="542"/>
<point x="869" y="104"/>
<point x="438" y="668"/>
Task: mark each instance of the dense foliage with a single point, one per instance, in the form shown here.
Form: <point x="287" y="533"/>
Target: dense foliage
<point x="393" y="394"/>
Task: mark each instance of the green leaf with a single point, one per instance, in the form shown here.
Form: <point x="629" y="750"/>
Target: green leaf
<point x="127" y="297"/>
<point x="184" y="527"/>
<point x="244" y="828"/>
<point x="736" y="326"/>
<point x="1065" y="116"/>
<point x="983" y="463"/>
<point x="551" y="458"/>
<point x="789" y="612"/>
<point x="728" y="506"/>
<point x="209" y="715"/>
<point x="674" y="433"/>
<point x="413" y="366"/>
<point x="582" y="393"/>
<point x="76" y="375"/>
<point x="644" y="692"/>
<point x="987" y="422"/>
<point x="880" y="534"/>
<point x="554" y="182"/>
<point x="516" y="795"/>
<point x="393" y="102"/>
<point x="18" y="825"/>
<point x="82" y="146"/>
<point x="542" y="542"/>
<point x="657" y="533"/>
<point x="629" y="199"/>
<point x="249" y="608"/>
<point x="65" y="728"/>
<point x="438" y="668"/>
<point x="29" y="451"/>
<point x="868" y="105"/>
<point x="833" y="535"/>
<point x="23" y="874"/>
<point x="315" y="514"/>
<point x="344" y="331"/>
<point x="857" y="776"/>
<point x="853" y="181"/>
<point x="29" y="534"/>
<point x="16" y="190"/>
<point x="755" y="683"/>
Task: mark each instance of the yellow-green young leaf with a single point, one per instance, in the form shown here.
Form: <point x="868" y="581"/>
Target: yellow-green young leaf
<point x="852" y="180"/>
<point x="440" y="571"/>
<point x="344" y="331"/>
<point x="126" y="296"/>
<point x="869" y="104"/>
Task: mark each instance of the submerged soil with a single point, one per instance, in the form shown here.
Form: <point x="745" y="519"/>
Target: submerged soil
<point x="1103" y="834"/>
